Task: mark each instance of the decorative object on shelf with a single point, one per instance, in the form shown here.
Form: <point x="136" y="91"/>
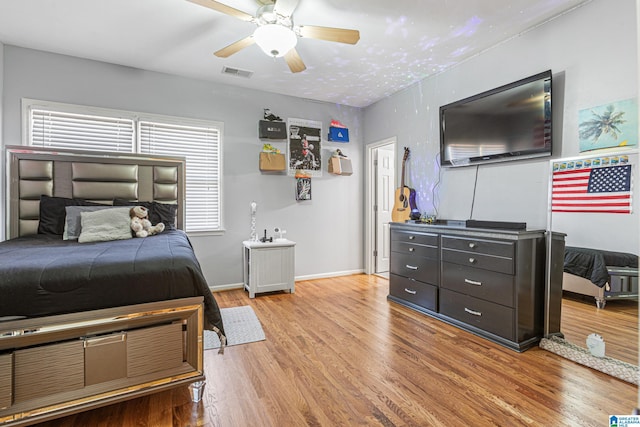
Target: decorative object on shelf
<point x="340" y="164"/>
<point x="338" y="132"/>
<point x="272" y="162"/>
<point x="610" y="125"/>
<point x="280" y="233"/>
<point x="266" y="239"/>
<point x="272" y="127"/>
<point x="268" y="148"/>
<point x="254" y="235"/>
<point x="404" y="206"/>
<point x="268" y="115"/>
<point x="303" y="186"/>
<point x="305" y="152"/>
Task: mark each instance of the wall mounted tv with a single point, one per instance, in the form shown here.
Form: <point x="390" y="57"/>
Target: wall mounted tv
<point x="510" y="122"/>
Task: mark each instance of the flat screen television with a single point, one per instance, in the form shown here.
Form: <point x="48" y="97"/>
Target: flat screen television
<point x="510" y="122"/>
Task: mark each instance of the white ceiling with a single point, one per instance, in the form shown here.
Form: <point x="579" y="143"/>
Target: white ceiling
<point x="401" y="41"/>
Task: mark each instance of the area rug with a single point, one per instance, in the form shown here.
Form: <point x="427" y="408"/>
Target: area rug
<point x="241" y="326"/>
<point x="616" y="368"/>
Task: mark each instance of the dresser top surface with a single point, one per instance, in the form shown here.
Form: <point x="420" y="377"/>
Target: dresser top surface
<point x="459" y="229"/>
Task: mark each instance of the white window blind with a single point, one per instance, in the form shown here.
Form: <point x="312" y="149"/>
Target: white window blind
<point x="201" y="148"/>
<point x="57" y="125"/>
<point x="80" y="131"/>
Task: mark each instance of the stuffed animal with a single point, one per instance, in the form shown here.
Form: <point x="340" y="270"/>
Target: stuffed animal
<point x="140" y="223"/>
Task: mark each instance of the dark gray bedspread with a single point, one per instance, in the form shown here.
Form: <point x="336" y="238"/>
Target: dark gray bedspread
<point x="592" y="263"/>
<point x="45" y="275"/>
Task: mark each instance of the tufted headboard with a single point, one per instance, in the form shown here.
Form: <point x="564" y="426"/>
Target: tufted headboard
<point x="91" y="175"/>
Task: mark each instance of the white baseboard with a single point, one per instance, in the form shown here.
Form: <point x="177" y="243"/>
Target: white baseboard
<point x="220" y="288"/>
<point x="327" y="275"/>
<point x="230" y="286"/>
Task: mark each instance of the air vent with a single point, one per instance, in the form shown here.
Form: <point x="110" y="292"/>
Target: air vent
<point x="237" y="72"/>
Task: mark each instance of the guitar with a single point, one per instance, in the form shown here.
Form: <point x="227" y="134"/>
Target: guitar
<point x="404" y="205"/>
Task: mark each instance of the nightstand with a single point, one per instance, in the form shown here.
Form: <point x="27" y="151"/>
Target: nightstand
<point x="268" y="266"/>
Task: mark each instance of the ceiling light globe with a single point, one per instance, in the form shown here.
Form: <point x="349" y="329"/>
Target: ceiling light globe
<point x="275" y="40"/>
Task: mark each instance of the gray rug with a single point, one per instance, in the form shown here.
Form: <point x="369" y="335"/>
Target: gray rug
<point x="616" y="368"/>
<point x="241" y="326"/>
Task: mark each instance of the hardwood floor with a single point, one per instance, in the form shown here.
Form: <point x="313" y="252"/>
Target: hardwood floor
<point x="338" y="353"/>
<point x="617" y="323"/>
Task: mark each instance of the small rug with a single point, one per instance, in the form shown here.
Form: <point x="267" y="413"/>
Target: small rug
<point x="616" y="368"/>
<point x="241" y="326"/>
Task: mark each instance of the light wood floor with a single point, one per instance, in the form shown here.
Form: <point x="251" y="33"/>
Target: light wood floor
<point x="338" y="353"/>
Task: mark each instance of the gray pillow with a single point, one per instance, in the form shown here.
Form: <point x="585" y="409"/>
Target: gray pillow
<point x="105" y="225"/>
<point x="72" y="224"/>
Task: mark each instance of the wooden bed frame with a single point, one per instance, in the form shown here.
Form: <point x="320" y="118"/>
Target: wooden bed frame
<point x="58" y="365"/>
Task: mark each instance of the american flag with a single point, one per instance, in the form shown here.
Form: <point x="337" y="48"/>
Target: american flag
<point x="601" y="189"/>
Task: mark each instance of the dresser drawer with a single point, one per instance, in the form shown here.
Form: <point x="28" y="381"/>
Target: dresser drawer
<point x="415" y="267"/>
<point x="478" y="260"/>
<point x="418" y="293"/>
<point x="484" y="315"/>
<point x="481" y="246"/>
<point x="412" y="237"/>
<point x="488" y="285"/>
<point x="418" y="250"/>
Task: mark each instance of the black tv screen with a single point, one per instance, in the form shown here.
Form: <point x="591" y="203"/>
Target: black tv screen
<point x="510" y="122"/>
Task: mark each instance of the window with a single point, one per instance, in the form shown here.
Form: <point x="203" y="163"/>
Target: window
<point x="88" y="128"/>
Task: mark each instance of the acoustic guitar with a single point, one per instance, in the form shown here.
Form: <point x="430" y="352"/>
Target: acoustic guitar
<point x="404" y="205"/>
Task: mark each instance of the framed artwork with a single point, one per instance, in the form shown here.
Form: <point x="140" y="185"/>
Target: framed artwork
<point x="610" y="125"/>
<point x="304" y="147"/>
<point x="303" y="188"/>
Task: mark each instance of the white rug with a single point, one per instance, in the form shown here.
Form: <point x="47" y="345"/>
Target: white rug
<point x="241" y="326"/>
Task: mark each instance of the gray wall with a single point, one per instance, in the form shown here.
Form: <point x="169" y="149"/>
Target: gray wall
<point x="327" y="229"/>
<point x="592" y="52"/>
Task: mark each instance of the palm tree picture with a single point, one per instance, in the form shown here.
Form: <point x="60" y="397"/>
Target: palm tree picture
<point x="610" y="125"/>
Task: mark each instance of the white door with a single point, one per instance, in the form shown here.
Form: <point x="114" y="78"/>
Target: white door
<point x="385" y="173"/>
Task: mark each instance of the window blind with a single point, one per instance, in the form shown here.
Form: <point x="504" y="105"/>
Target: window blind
<point x="80" y="131"/>
<point x="200" y="146"/>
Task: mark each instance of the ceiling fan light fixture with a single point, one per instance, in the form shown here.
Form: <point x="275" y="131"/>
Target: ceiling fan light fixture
<point x="275" y="39"/>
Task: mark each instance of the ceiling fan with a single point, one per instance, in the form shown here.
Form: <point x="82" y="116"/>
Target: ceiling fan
<point x="276" y="34"/>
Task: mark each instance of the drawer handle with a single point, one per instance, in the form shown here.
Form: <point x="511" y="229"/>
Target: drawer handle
<point x="472" y="282"/>
<point x="412" y="237"/>
<point x="475" y="313"/>
<point x="410" y="291"/>
<point x="472" y="260"/>
<point x="473" y="245"/>
<point x="411" y="267"/>
<point x="412" y="249"/>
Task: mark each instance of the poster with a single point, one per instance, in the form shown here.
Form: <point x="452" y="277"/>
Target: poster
<point x="304" y="147"/>
<point x="610" y="125"/>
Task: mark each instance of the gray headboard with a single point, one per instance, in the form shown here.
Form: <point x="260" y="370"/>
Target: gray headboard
<point x="91" y="175"/>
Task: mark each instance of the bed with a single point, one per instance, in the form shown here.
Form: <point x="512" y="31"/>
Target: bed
<point x="106" y="317"/>
<point x="604" y="275"/>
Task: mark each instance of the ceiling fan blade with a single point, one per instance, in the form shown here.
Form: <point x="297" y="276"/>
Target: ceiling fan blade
<point x="294" y="61"/>
<point x="285" y="7"/>
<point x="339" y="35"/>
<point x="235" y="47"/>
<point x="211" y="4"/>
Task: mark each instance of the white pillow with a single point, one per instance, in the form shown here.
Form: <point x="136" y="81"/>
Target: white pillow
<point x="72" y="225"/>
<point x="105" y="225"/>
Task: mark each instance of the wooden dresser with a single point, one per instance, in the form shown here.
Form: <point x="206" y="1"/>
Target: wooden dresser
<point x="489" y="282"/>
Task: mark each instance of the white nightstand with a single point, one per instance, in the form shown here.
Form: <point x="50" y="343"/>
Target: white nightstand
<point x="269" y="266"/>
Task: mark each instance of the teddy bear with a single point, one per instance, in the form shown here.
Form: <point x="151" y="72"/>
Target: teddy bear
<point x="140" y="223"/>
